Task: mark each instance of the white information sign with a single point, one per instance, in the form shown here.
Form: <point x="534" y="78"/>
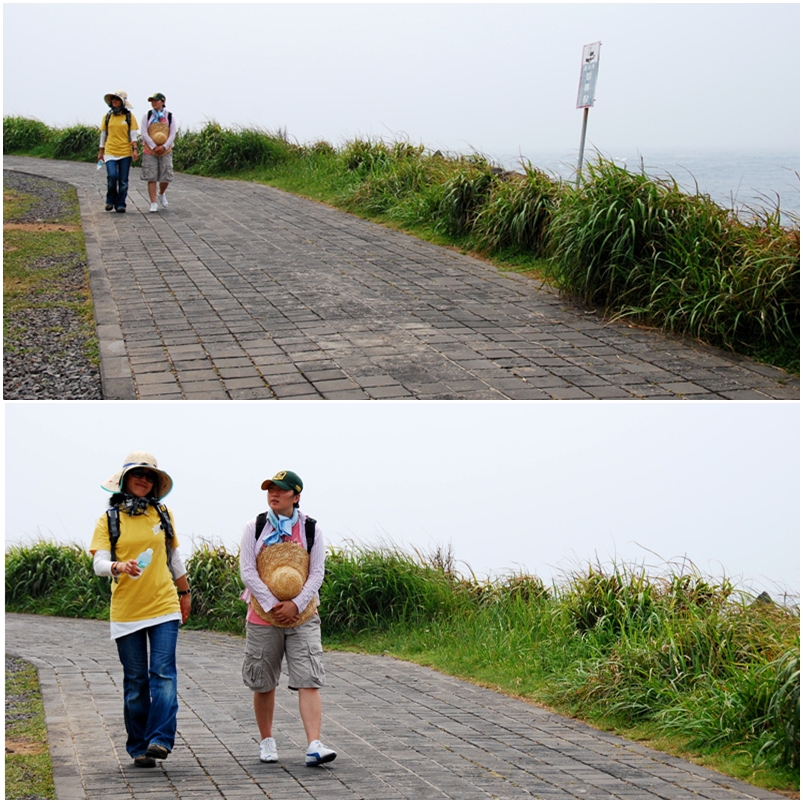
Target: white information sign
<point x="588" y="76"/>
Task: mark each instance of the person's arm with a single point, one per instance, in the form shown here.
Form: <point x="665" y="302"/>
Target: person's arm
<point x="146" y="137"/>
<point x="183" y="586"/>
<point x="317" y="559"/>
<point x="248" y="569"/>
<point x="104" y="566"/>
<point x="172" y="136"/>
<point x="102" y="143"/>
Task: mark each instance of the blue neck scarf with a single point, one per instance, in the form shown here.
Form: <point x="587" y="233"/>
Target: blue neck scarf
<point x="282" y="527"/>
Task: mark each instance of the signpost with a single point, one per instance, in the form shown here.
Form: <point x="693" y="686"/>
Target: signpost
<point x="585" y="93"/>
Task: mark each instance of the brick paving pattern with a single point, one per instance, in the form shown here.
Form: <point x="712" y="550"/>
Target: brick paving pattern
<point x="240" y="291"/>
<point x="402" y="732"/>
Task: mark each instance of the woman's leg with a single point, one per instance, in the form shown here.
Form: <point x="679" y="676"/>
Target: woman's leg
<point x="122" y="185"/>
<point x="264" y="704"/>
<point x="133" y="652"/>
<point x="161" y="728"/>
<point x="310" y="708"/>
<point x="112" y="176"/>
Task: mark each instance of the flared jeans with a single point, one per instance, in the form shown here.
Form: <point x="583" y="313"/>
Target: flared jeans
<point x="117" y="171"/>
<point x="150" y="686"/>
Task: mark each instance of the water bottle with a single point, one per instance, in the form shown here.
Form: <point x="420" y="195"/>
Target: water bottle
<point x="99" y="165"/>
<point x="143" y="561"/>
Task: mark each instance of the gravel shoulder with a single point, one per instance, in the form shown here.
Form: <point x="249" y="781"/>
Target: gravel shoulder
<point x="45" y="349"/>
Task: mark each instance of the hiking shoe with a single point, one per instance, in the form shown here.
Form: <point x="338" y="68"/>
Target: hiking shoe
<point x="109" y="207"/>
<point x="154" y="207"/>
<point x="120" y="209"/>
<point x="267" y="750"/>
<point x="319" y="753"/>
<point x="162" y="200"/>
<point x="157" y="751"/>
<point x="144" y="761"/>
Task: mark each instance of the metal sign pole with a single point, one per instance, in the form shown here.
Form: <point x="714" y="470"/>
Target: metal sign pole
<point x="582" y="146"/>
<point x="585" y="94"/>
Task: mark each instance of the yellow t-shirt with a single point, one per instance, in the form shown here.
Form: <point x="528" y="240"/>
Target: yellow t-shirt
<point x="118" y="139"/>
<point x="153" y="593"/>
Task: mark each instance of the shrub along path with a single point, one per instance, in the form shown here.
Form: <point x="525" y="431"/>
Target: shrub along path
<point x="401" y="732"/>
<point x="240" y="291"/>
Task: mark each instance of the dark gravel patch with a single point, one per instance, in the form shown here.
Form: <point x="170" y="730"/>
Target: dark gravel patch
<point x="14" y="701"/>
<point x="43" y="355"/>
<point x="52" y="204"/>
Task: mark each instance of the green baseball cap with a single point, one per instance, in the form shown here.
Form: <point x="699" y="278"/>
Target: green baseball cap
<point x="157" y="96"/>
<point x="288" y="480"/>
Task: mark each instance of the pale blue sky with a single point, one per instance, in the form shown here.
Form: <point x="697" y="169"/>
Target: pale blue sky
<point x="544" y="488"/>
<point x="492" y="77"/>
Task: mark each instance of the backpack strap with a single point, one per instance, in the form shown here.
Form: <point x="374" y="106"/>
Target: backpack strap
<point x="260" y="525"/>
<point x="113" y="521"/>
<point x="167" y="526"/>
<point x="127" y="120"/>
<point x="309" y="529"/>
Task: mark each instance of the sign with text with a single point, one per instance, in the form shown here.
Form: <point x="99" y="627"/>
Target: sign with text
<point x="588" y="76"/>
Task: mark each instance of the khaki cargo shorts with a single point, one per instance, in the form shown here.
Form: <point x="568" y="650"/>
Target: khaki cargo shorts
<point x="266" y="646"/>
<point x="157" y="168"/>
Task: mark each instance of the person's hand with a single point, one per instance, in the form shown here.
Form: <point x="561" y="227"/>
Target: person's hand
<point x="130" y="567"/>
<point x="285" y="612"/>
<point x="159" y="150"/>
<point x="185" y="601"/>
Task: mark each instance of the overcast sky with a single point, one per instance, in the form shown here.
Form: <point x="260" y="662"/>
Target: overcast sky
<point x="491" y="77"/>
<point x="542" y="488"/>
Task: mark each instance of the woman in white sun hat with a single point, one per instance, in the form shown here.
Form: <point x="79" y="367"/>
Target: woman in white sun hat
<point x="135" y="544"/>
<point x="118" y="148"/>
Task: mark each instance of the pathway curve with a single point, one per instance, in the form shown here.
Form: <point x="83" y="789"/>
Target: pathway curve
<point x="241" y="291"/>
<point x="402" y="732"/>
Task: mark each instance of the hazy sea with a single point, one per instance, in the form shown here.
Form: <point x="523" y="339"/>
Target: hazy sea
<point x="740" y="180"/>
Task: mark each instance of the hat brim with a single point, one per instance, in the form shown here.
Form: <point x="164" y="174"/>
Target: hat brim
<point x="124" y="101"/>
<point x="279" y="484"/>
<point x="283" y="554"/>
<point x="115" y="483"/>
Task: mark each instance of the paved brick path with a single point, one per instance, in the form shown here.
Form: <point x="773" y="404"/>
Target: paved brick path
<point x="239" y="291"/>
<point x="402" y="732"/>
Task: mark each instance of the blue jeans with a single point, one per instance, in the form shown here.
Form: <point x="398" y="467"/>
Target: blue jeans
<point x="150" y="688"/>
<point x="117" y="171"/>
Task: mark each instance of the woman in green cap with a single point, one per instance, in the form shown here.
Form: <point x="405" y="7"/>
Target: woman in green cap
<point x="284" y="628"/>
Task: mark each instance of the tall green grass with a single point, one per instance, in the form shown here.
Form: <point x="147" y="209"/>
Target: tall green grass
<point x="57" y="580"/>
<point x="687" y="657"/>
<point x="635" y="246"/>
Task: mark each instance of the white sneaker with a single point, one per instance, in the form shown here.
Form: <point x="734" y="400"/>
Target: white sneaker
<point x="319" y="753"/>
<point x="162" y="200"/>
<point x="154" y="208"/>
<point x="267" y="751"/>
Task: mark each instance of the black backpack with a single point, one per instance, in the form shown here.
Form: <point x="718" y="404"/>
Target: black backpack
<point x="113" y="520"/>
<point x="169" y="117"/>
<point x="309" y="529"/>
<point x="127" y="119"/>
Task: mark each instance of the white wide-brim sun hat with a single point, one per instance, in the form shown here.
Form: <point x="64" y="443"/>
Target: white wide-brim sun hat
<point x="139" y="460"/>
<point x="118" y="94"/>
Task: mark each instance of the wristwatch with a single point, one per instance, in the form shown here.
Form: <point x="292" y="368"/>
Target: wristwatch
<point x="183" y="593"/>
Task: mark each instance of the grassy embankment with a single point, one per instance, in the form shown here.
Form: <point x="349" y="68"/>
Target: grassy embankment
<point x="635" y="247"/>
<point x="29" y="773"/>
<point x="682" y="662"/>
